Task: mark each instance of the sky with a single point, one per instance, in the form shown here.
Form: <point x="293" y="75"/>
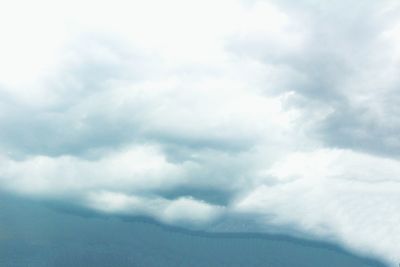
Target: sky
<point x="239" y="115"/>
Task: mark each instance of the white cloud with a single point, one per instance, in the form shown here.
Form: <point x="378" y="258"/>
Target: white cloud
<point x="184" y="210"/>
<point x="335" y="194"/>
<point x="281" y="111"/>
<point x="133" y="169"/>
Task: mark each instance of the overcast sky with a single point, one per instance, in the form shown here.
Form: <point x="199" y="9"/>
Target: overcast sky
<point x="220" y="115"/>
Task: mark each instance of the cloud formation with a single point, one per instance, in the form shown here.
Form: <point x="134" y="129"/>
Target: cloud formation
<point x="280" y="115"/>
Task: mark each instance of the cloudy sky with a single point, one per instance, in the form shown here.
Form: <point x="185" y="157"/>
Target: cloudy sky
<point x="227" y="115"/>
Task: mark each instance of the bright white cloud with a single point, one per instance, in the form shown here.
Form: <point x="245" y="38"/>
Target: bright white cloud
<point x="182" y="210"/>
<point x="336" y="194"/>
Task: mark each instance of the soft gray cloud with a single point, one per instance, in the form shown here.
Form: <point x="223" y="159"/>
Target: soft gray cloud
<point x="227" y="115"/>
<point x="346" y="66"/>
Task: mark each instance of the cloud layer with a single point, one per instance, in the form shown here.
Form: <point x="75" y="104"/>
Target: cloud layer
<point x="239" y="115"/>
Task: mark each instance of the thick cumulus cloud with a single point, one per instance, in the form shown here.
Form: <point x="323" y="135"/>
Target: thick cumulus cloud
<point x="220" y="115"/>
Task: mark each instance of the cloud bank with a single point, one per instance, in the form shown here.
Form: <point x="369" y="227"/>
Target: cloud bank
<point x="218" y="115"/>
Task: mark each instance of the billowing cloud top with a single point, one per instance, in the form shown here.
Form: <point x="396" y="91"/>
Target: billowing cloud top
<point x="223" y="115"/>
